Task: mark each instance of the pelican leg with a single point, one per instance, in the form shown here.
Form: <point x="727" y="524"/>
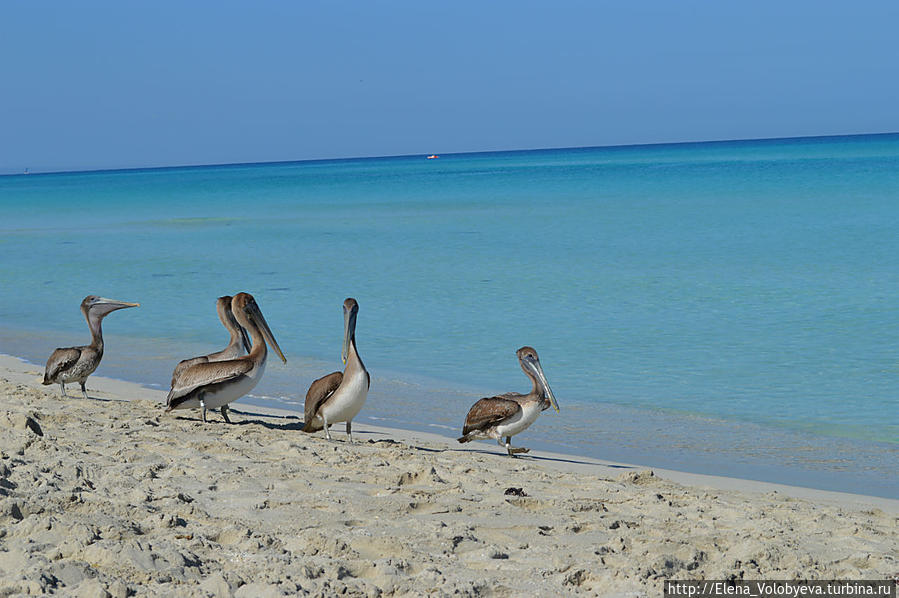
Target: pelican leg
<point x="349" y="433"/>
<point x="513" y="451"/>
<point x="203" y="407"/>
<point x="84" y="391"/>
<point x="327" y="427"/>
<point x="225" y="413"/>
<point x="62" y="389"/>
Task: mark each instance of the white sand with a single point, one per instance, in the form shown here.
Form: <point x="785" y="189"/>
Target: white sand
<point x="112" y="497"/>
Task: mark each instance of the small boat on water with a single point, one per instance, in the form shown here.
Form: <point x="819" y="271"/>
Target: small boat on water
<point x="433" y="156"/>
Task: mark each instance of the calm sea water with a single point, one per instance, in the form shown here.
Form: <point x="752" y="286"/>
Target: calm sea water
<point x="722" y="307"/>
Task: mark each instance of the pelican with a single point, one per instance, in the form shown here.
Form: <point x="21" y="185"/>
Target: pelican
<point x="239" y="341"/>
<point x="339" y="396"/>
<point x="511" y="413"/>
<point x="216" y="383"/>
<point x="75" y="364"/>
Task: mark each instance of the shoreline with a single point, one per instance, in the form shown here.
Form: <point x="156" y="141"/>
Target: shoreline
<point x="691" y="443"/>
<point x="112" y="497"/>
<point x="20" y="371"/>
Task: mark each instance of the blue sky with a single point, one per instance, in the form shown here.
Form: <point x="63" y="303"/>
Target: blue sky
<point x="87" y="85"/>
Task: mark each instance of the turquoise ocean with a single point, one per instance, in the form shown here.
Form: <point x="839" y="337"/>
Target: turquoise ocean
<point x="729" y="308"/>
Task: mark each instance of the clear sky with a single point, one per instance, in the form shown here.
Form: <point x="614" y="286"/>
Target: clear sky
<point x="87" y="85"/>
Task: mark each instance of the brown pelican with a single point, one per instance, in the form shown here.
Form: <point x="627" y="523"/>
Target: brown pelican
<point x="216" y="383"/>
<point x="75" y="364"/>
<point x="338" y="397"/>
<point x="511" y="413"/>
<point x="236" y="346"/>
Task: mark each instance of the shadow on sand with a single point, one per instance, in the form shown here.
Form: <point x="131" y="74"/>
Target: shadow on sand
<point x="294" y="423"/>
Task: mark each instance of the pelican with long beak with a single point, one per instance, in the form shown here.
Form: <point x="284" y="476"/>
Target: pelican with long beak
<point x="75" y="364"/>
<point x="339" y="396"/>
<point x="214" y="384"/>
<point x="238" y="344"/>
<point x="511" y="413"/>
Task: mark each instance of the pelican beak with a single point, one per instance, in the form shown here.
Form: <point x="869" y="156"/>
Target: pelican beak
<point x="537" y="369"/>
<point x="349" y="326"/>
<point x="120" y="304"/>
<point x="266" y="331"/>
<point x="105" y="306"/>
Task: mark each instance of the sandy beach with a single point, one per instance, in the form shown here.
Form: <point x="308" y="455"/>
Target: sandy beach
<point x="112" y="497"/>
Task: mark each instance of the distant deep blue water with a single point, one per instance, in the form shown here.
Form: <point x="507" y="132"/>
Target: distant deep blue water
<point x="728" y="308"/>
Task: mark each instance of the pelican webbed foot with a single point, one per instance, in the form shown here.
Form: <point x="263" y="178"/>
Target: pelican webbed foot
<point x="508" y="446"/>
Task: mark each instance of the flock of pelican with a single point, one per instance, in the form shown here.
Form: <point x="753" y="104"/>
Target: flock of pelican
<point x="215" y="380"/>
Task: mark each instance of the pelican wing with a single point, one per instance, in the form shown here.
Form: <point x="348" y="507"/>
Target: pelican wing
<point x="202" y="376"/>
<point x="489" y="412"/>
<point x="318" y="393"/>
<point x="60" y="361"/>
<point x="183" y="365"/>
<point x="512" y="396"/>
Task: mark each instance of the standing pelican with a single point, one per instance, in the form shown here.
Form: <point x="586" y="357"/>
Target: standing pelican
<point x="511" y="413"/>
<point x="236" y="346"/>
<point x="75" y="364"/>
<point x="338" y="397"/>
<point x="216" y="383"/>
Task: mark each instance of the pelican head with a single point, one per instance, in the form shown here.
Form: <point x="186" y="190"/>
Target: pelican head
<point x="530" y="363"/>
<point x="244" y="307"/>
<point x="223" y="306"/>
<point x="97" y="307"/>
<point x="350" y="309"/>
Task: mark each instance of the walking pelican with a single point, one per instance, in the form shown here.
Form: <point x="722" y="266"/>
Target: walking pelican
<point x="511" y="413"/>
<point x="236" y="346"/>
<point x="339" y="396"/>
<point x="214" y="384"/>
<point x="75" y="364"/>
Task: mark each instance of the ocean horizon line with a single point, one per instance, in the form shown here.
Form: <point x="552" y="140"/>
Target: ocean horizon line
<point x="660" y="144"/>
